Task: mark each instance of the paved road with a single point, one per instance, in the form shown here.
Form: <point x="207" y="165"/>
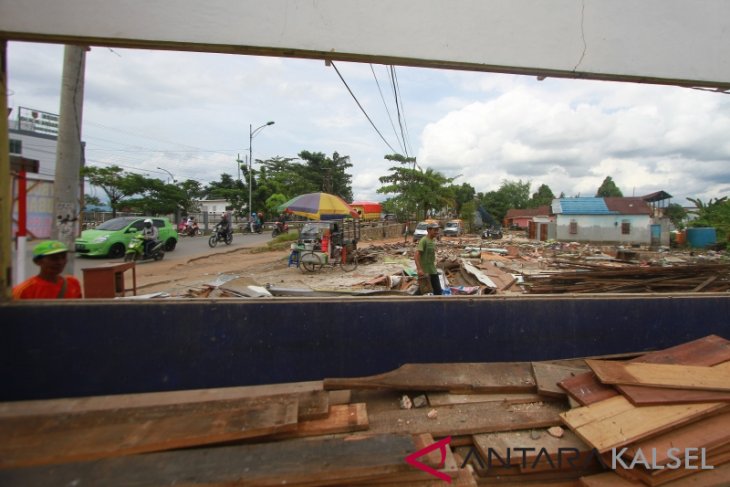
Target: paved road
<point x="187" y="248"/>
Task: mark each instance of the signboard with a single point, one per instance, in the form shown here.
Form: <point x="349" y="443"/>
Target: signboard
<point x="37" y="121"/>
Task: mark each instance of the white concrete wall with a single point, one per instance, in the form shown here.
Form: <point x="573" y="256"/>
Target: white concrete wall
<point x="604" y="228"/>
<point x="658" y="41"/>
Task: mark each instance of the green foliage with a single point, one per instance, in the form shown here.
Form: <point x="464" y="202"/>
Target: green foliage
<point x="544" y="196"/>
<point x="467" y="213"/>
<point x="462" y="194"/>
<point x="676" y="215"/>
<point x="417" y="192"/>
<point x="608" y="188"/>
<point x="273" y="202"/>
<point x="511" y="194"/>
<point x="92" y="202"/>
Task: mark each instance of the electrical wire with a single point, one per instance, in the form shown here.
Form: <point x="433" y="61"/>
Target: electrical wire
<point x="406" y="136"/>
<point x="361" y="108"/>
<point x="387" y="110"/>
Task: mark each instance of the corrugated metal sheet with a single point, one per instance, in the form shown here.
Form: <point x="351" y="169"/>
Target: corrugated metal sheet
<point x="583" y="206"/>
<point x="628" y="206"/>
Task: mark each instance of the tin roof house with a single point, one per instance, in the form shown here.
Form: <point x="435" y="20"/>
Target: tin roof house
<point x="607" y="220"/>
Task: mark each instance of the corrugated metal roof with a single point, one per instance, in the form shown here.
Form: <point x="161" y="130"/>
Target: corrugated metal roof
<point x="582" y="206"/>
<point x="628" y="206"/>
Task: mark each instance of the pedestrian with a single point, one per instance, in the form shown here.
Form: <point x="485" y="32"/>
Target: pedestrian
<point x="405" y="231"/>
<point x="51" y="256"/>
<point x="426" y="258"/>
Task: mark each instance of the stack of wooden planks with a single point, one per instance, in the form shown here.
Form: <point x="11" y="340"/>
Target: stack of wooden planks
<point x="632" y="279"/>
<point x="496" y="423"/>
<point x="659" y="419"/>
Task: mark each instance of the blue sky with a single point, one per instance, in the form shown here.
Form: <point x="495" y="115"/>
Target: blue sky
<point x="189" y="113"/>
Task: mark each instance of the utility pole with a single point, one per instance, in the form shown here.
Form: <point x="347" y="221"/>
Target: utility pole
<point x="69" y="152"/>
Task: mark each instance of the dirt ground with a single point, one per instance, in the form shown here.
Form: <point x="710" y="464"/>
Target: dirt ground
<point x="260" y="267"/>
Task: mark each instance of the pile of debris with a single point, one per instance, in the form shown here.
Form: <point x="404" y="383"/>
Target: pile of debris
<point x="467" y="423"/>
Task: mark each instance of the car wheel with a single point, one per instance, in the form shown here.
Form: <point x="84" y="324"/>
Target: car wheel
<point x="170" y="244"/>
<point x="116" y="251"/>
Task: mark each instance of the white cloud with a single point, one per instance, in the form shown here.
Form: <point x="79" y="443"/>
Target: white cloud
<point x="190" y="113"/>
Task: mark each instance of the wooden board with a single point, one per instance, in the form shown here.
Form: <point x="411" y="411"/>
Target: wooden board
<point x="681" y="476"/>
<point x="510" y="377"/>
<point x="447" y="398"/>
<point x="344" y="418"/>
<point x="467" y="418"/>
<point x="655" y="396"/>
<point x="41" y="440"/>
<point x="331" y="461"/>
<point x="615" y="422"/>
<point x="548" y="375"/>
<point x="510" y="442"/>
<point x="711" y="432"/>
<point x="308" y="394"/>
<point x="671" y="376"/>
<point x="706" y="351"/>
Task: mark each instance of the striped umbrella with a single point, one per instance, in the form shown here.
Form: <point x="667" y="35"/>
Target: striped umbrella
<point x="319" y="206"/>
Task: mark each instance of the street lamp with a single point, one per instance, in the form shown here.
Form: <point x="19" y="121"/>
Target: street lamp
<point x="251" y="134"/>
<point x="172" y="178"/>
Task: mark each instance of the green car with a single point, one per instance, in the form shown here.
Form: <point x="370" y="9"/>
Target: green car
<point x="112" y="237"/>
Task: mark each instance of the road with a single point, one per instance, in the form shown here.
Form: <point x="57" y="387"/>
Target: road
<point x="187" y="248"/>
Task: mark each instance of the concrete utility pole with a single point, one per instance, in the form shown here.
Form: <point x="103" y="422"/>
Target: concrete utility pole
<point x="5" y="194"/>
<point x="69" y="152"/>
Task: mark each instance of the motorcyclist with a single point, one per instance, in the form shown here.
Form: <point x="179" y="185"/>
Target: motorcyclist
<point x="151" y="235"/>
<point x="224" y="226"/>
<point x="255" y="222"/>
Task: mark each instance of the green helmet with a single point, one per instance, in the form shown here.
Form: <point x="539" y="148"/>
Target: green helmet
<point x="48" y="247"/>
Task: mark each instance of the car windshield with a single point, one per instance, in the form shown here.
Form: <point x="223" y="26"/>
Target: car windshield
<point x="451" y="225"/>
<point x="115" y="224"/>
<point x="421" y="226"/>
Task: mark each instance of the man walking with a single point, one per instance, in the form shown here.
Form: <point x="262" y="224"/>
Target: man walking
<point x="426" y="258"/>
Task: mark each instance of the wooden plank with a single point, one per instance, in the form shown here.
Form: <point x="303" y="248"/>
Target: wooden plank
<point x="715" y="378"/>
<point x="467" y="418"/>
<point x="655" y="396"/>
<point x="128" y="401"/>
<point x="608" y="479"/>
<point x="521" y="447"/>
<point x="447" y="398"/>
<point x="548" y="375"/>
<point x="330" y="461"/>
<point x="615" y="422"/>
<point x="344" y="418"/>
<point x="41" y="440"/>
<point x="706" y="351"/>
<point x="509" y="377"/>
<point x="682" y="476"/>
<point x="709" y="433"/>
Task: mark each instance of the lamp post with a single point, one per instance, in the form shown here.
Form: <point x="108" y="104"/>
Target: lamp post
<point x="251" y="134"/>
<point x="172" y="178"/>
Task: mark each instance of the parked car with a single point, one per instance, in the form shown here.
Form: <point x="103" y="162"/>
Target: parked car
<point x="454" y="228"/>
<point x="421" y="232"/>
<point x="112" y="237"/>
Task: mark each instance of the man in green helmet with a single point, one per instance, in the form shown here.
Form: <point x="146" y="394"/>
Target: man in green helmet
<point x="51" y="257"/>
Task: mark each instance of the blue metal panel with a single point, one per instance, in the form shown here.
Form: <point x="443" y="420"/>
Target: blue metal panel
<point x="584" y="206"/>
<point x="69" y="349"/>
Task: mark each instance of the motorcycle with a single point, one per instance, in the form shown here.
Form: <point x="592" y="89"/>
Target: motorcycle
<point x="252" y="227"/>
<point x="136" y="247"/>
<point x="220" y="236"/>
<point x="190" y="230"/>
<point x="279" y="228"/>
<point x="492" y="232"/>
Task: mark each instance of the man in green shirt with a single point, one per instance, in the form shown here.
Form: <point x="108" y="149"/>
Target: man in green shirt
<point x="426" y="257"/>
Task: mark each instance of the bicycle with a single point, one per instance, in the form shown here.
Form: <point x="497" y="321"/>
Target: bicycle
<point x="343" y="255"/>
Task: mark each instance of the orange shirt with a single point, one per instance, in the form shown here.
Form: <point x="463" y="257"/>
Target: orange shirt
<point x="37" y="288"/>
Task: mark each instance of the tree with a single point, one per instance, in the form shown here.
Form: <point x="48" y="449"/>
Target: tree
<point x="109" y="179"/>
<point x="511" y="194"/>
<point x="676" y="215"/>
<point x="416" y="192"/>
<point x="608" y="188"/>
<point x="462" y="194"/>
<point x="327" y="174"/>
<point x="543" y="196"/>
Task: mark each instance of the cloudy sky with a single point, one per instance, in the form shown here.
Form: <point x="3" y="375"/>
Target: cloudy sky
<point x="190" y="113"/>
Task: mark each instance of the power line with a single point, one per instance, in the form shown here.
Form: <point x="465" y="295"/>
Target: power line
<point x="361" y="108"/>
<point x="387" y="110"/>
<point x="406" y="135"/>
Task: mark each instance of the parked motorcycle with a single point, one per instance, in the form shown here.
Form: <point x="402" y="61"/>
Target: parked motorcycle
<point x="279" y="228"/>
<point x="492" y="232"/>
<point x="219" y="235"/>
<point x="252" y="227"/>
<point x="135" y="250"/>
